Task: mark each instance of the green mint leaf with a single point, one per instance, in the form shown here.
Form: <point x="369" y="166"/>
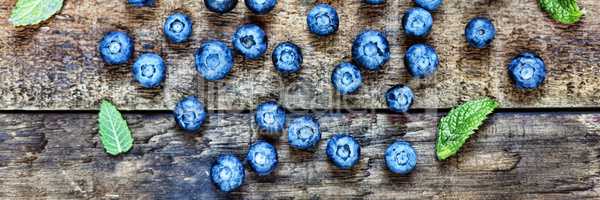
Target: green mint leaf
<point x="462" y="121"/>
<point x="114" y="132"/>
<point x="563" y="11"/>
<point x="29" y="12"/>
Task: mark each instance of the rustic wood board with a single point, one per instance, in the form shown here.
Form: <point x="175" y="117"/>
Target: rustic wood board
<point x="55" y="66"/>
<point x="513" y="156"/>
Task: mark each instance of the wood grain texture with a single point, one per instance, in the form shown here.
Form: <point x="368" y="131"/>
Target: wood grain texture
<point x="55" y="66"/>
<point x="513" y="156"/>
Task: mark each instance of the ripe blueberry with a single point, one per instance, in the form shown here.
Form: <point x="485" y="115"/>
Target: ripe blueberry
<point x="371" y="50"/>
<point x="220" y="6"/>
<point x="527" y="70"/>
<point x="178" y="27"/>
<point x="399" y="98"/>
<point x="417" y="22"/>
<point x="304" y="132"/>
<point x="214" y="60"/>
<point x="227" y="173"/>
<point x="343" y="150"/>
<point x="421" y="59"/>
<point x="480" y="32"/>
<point x="140" y="3"/>
<point x="116" y="48"/>
<point x="346" y="78"/>
<point x="190" y="114"/>
<point x="260" y="6"/>
<point x="270" y="117"/>
<point x="250" y="40"/>
<point x="375" y="2"/>
<point x="430" y="5"/>
<point x="323" y="20"/>
<point x="287" y="58"/>
<point x="149" y="70"/>
<point x="400" y="157"/>
<point x="262" y="157"/>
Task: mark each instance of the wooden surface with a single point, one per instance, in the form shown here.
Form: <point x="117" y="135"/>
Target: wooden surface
<point x="513" y="156"/>
<point x="50" y="150"/>
<point x="55" y="66"/>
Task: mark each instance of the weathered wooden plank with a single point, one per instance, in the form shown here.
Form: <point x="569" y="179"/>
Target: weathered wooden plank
<point x="513" y="156"/>
<point x="56" y="66"/>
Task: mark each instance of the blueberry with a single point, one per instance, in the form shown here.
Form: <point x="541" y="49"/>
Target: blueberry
<point x="116" y="48"/>
<point x="260" y="6"/>
<point x="270" y="117"/>
<point x="480" y="32"/>
<point x="227" y="173"/>
<point x="375" y="2"/>
<point x="323" y="20"/>
<point x="346" y="78"/>
<point x="250" y="40"/>
<point x="214" y="60"/>
<point x="178" y="27"/>
<point x="149" y="70"/>
<point x="262" y="157"/>
<point x="190" y="113"/>
<point x="430" y="5"/>
<point x="371" y="50"/>
<point x="421" y="59"/>
<point x="399" y="98"/>
<point x="417" y="22"/>
<point x="304" y="132"/>
<point x="400" y="157"/>
<point x="220" y="6"/>
<point x="287" y="58"/>
<point x="343" y="150"/>
<point x="140" y="3"/>
<point x="528" y="70"/>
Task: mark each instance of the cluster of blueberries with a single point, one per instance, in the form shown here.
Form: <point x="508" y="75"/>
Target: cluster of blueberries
<point x="370" y="50"/>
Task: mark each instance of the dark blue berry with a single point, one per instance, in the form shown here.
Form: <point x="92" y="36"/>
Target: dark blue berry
<point x="399" y="98"/>
<point x="214" y="60"/>
<point x="190" y="114"/>
<point x="375" y="2"/>
<point x="270" y="117"/>
<point x="227" y="173"/>
<point x="371" y="50"/>
<point x="430" y="5"/>
<point x="250" y="40"/>
<point x="343" y="150"/>
<point x="421" y="60"/>
<point x="262" y="157"/>
<point x="178" y="27"/>
<point x="149" y="70"/>
<point x="287" y="58"/>
<point x="528" y="70"/>
<point x="480" y="32"/>
<point x="323" y="20"/>
<point x="116" y="48"/>
<point x="260" y="6"/>
<point x="304" y="132"/>
<point x="417" y="22"/>
<point x="220" y="6"/>
<point x="400" y="157"/>
<point x="140" y="3"/>
<point x="346" y="78"/>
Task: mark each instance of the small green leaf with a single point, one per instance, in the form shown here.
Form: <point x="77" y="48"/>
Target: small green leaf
<point x="455" y="128"/>
<point x="563" y="11"/>
<point x="29" y="12"/>
<point x="114" y="132"/>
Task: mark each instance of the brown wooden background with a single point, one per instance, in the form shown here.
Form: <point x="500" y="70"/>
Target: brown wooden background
<point x="542" y="144"/>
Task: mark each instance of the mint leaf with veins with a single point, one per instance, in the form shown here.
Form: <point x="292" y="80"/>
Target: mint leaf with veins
<point x="29" y="12"/>
<point x="461" y="122"/>
<point x="563" y="11"/>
